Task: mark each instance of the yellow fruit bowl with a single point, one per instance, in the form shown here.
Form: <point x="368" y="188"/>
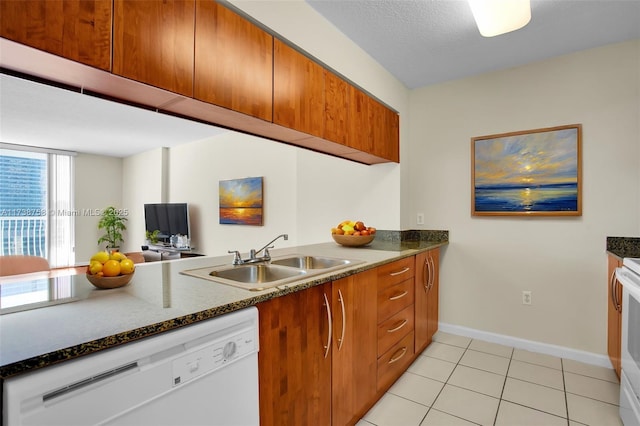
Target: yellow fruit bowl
<point x="353" y="240"/>
<point x="110" y="282"/>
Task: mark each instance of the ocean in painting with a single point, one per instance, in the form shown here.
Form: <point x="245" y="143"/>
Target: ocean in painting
<point x="543" y="198"/>
<point x="240" y="216"/>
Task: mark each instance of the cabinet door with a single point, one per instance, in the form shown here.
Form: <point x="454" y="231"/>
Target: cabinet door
<point x="426" y="298"/>
<point x="336" y="108"/>
<point x="298" y="90"/>
<point x="233" y="61"/>
<point x="373" y="128"/>
<point x="614" y="314"/>
<point x="354" y="361"/>
<point x="153" y="42"/>
<point x="79" y="30"/>
<point x="293" y="362"/>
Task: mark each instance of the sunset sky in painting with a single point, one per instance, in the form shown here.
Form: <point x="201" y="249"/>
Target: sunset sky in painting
<point x="532" y="159"/>
<point x="241" y="193"/>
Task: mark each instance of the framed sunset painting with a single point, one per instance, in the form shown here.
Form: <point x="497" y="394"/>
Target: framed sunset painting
<point x="534" y="172"/>
<point x="241" y="201"/>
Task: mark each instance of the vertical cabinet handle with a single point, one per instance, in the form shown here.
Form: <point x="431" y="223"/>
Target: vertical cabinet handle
<point x="614" y="292"/>
<point x="344" y="319"/>
<point x="328" y="345"/>
<point x="393" y="274"/>
<point x="432" y="273"/>
<point x="426" y="273"/>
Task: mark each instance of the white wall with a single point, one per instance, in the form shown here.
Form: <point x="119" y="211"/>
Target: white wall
<point x="98" y="184"/>
<point x="490" y="260"/>
<point x="144" y="180"/>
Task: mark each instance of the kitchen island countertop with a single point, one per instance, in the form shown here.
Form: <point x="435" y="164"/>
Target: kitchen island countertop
<point x="73" y="318"/>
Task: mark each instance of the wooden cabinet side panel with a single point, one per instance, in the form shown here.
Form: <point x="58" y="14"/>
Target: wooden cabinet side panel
<point x="421" y="322"/>
<point x="614" y="317"/>
<point x="294" y="375"/>
<point x="434" y="292"/>
<point x="354" y="369"/>
<point x="233" y="61"/>
<point x="79" y="30"/>
<point x="298" y="90"/>
<point x="153" y="43"/>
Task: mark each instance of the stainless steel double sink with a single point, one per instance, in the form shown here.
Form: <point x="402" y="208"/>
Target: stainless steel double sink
<point x="278" y="271"/>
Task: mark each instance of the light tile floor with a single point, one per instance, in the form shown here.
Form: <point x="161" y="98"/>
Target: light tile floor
<point x="460" y="381"/>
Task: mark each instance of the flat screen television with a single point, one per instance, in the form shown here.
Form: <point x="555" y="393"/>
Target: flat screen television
<point x="168" y="218"/>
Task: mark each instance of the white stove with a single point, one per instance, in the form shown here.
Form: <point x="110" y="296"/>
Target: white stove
<point x="629" y="277"/>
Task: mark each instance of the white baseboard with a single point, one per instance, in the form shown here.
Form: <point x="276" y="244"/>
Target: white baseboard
<point x="529" y="345"/>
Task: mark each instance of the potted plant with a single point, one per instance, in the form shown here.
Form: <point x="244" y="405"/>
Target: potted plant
<point x="113" y="222"/>
<point x="152" y="237"/>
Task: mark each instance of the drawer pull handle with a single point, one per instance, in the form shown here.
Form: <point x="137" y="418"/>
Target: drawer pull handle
<point x="398" y="327"/>
<point x="393" y="274"/>
<point x="399" y="296"/>
<point x="394" y="359"/>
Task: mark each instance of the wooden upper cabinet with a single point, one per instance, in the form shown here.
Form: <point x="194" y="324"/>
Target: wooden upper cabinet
<point x="233" y="61"/>
<point x="79" y="30"/>
<point x="336" y="108"/>
<point x="153" y="42"/>
<point x="298" y="90"/>
<point x="373" y="128"/>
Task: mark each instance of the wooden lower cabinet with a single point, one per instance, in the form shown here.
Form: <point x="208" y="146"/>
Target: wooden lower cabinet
<point x="329" y="352"/>
<point x="354" y="358"/>
<point x="614" y="314"/>
<point x="293" y="363"/>
<point x="426" y="297"/>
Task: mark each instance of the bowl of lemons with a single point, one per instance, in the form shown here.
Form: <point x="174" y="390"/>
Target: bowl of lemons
<point x="110" y="270"/>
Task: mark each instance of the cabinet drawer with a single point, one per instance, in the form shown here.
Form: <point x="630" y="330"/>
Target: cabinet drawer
<point x="394" y="329"/>
<point x="395" y="272"/>
<point x="393" y="299"/>
<point x="395" y="361"/>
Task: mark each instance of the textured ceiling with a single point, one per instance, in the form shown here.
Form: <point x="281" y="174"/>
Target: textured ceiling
<point x="424" y="42"/>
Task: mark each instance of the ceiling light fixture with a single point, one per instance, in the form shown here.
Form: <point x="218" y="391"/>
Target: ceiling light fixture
<point x="495" y="17"/>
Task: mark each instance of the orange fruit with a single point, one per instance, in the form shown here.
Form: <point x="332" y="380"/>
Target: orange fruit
<point x="126" y="266"/>
<point x="111" y="268"/>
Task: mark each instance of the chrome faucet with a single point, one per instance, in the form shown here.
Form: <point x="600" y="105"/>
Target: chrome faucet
<point x="238" y="260"/>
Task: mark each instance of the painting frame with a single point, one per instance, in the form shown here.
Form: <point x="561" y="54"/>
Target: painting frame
<point x="241" y="201"/>
<point x="534" y="172"/>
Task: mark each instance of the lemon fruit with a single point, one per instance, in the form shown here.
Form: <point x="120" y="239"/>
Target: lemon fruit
<point x="116" y="255"/>
<point x="101" y="256"/>
<point x="95" y="267"/>
<point x="126" y="266"/>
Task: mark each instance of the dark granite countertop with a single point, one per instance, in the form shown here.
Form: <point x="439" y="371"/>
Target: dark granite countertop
<point x="622" y="247"/>
<point x="78" y="319"/>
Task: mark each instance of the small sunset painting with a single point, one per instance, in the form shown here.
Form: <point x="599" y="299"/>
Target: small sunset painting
<point x="536" y="172"/>
<point x="241" y="201"/>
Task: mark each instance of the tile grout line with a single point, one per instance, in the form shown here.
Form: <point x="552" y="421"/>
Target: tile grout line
<point x="564" y="387"/>
<point x="445" y="383"/>
<point x="504" y="384"/>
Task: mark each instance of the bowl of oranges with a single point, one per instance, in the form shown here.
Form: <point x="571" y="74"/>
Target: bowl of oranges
<point x="110" y="270"/>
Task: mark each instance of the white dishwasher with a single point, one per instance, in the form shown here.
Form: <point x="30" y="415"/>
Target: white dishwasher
<point x="202" y="374"/>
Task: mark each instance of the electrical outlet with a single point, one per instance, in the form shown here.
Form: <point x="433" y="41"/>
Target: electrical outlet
<point x="420" y="219"/>
<point x="526" y="297"/>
